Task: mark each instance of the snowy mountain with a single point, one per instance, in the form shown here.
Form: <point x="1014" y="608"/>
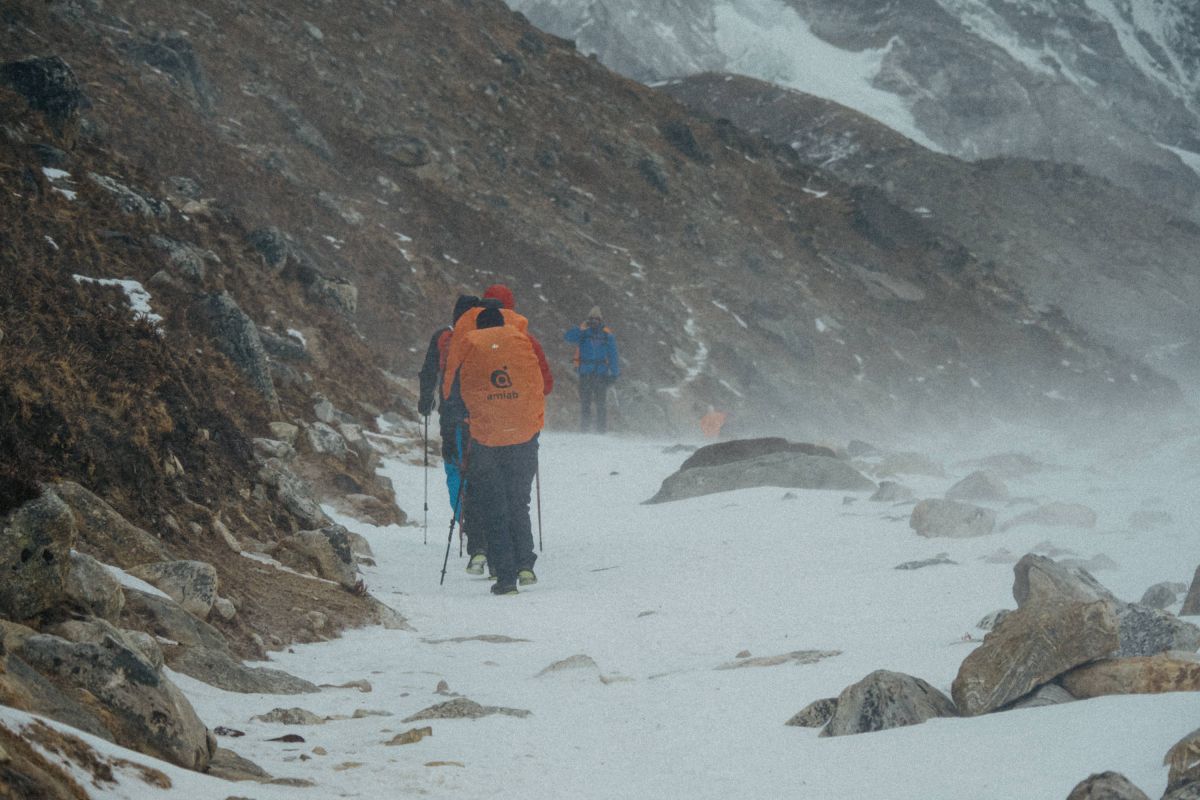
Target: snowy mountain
<point x="1107" y="84"/>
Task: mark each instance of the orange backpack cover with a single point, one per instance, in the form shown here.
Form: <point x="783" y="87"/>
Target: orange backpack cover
<point x="501" y="384"/>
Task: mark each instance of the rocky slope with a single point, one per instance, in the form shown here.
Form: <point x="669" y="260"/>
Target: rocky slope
<point x="1109" y="86"/>
<point x="225" y="227"/>
<point x="1120" y="267"/>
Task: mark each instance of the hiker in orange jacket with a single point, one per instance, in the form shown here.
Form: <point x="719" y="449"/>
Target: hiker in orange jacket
<point x="497" y="369"/>
<point x="497" y="296"/>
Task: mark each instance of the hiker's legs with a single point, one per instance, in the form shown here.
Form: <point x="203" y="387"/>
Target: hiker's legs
<point x="601" y="404"/>
<point x="487" y="479"/>
<point x="520" y="467"/>
<point x="585" y="402"/>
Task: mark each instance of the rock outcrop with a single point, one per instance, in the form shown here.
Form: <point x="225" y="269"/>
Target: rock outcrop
<point x="1030" y="647"/>
<point x="35" y="557"/>
<point x="885" y="700"/>
<point x="786" y="469"/>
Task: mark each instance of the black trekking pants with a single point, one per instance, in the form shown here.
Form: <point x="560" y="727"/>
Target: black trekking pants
<point x="501" y="480"/>
<point x="592" y="390"/>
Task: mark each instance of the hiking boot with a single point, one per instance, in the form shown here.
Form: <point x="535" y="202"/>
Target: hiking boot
<point x="525" y="577"/>
<point x="475" y="565"/>
<point x="501" y="588"/>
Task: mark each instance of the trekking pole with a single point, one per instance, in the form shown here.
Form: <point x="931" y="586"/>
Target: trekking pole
<point x="426" y="447"/>
<point x="462" y="487"/>
<point x="537" y="479"/>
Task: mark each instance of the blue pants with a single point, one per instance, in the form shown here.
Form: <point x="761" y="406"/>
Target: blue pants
<point x="452" y="459"/>
<point x="501" y="480"/>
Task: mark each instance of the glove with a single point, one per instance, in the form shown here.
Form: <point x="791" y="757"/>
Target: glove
<point x="425" y="406"/>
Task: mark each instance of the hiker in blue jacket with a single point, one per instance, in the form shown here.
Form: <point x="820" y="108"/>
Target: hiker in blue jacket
<point x="596" y="359"/>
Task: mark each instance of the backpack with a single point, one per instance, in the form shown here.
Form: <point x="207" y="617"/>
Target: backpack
<point x="501" y="384"/>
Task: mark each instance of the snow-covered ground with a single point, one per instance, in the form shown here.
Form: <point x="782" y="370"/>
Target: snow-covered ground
<point x="661" y="596"/>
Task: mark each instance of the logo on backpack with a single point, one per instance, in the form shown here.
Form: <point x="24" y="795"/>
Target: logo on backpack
<point x="501" y="379"/>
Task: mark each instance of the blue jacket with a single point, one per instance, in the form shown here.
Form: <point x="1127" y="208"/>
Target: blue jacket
<point x="597" y="350"/>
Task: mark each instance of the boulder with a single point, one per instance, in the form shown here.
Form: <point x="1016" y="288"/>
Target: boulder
<point x="909" y="464"/>
<point x="885" y="700"/>
<point x="266" y="449"/>
<point x="1148" y="631"/>
<point x="49" y="85"/>
<point x="145" y="711"/>
<point x="463" y="708"/>
<point x="23" y="687"/>
<point x="892" y="492"/>
<point x="816" y="714"/>
<point x="35" y="556"/>
<point x="326" y="552"/>
<point x="1050" y="694"/>
<point x="275" y="246"/>
<point x="1065" y="515"/>
<point x="161" y="616"/>
<point x="94" y="630"/>
<point x="1191" y="603"/>
<point x="219" y="668"/>
<point x="93" y="588"/>
<point x="284" y="432"/>
<point x="1166" y="672"/>
<point x="1032" y="646"/>
<point x="787" y="470"/>
<point x="285" y="348"/>
<point x="715" y="455"/>
<point x="228" y="765"/>
<point x="192" y="584"/>
<point x="980" y="486"/>
<point x="951" y="518"/>
<point x="132" y="201"/>
<point x="1162" y="595"/>
<point x="1039" y="579"/>
<point x="186" y="259"/>
<point x="353" y="435"/>
<point x="335" y="293"/>
<point x="295" y="495"/>
<point x="107" y="535"/>
<point x="290" y="716"/>
<point x="236" y="336"/>
<point x="324" y="440"/>
<point x="1106" y="786"/>
<point x="1184" y="761"/>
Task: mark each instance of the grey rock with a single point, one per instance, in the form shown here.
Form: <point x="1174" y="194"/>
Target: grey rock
<point x="1050" y="694"/>
<point x="1039" y="579"/>
<point x="1106" y="786"/>
<point x="35" y="556"/>
<point x="236" y="336"/>
<point x="938" y="560"/>
<point x="49" y="85"/>
<point x="950" y="518"/>
<point x="147" y="712"/>
<point x="293" y="492"/>
<point x="993" y="619"/>
<point x="336" y="293"/>
<point x="788" y="470"/>
<point x="186" y="259"/>
<point x="721" y="453"/>
<point x="107" y="535"/>
<point x="25" y="687"/>
<point x="225" y="608"/>
<point x="131" y="201"/>
<point x="94" y="630"/>
<point x="229" y="766"/>
<point x="192" y="584"/>
<point x="219" y="668"/>
<point x="1162" y="595"/>
<point x="286" y="348"/>
<point x="326" y="552"/>
<point x="1067" y="515"/>
<point x="892" y="492"/>
<point x="1032" y="646"/>
<point x="325" y="411"/>
<point x="1189" y="791"/>
<point x="172" y="54"/>
<point x="1191" y="602"/>
<point x="1184" y="761"/>
<point x="284" y="432"/>
<point x="462" y="708"/>
<point x="815" y="714"/>
<point x="980" y="486"/>
<point x="1148" y="631"/>
<point x="577" y="661"/>
<point x="290" y="716"/>
<point x="93" y="588"/>
<point x="405" y="150"/>
<point x="275" y="246"/>
<point x="266" y="449"/>
<point x="324" y="440"/>
<point x="164" y="617"/>
<point x="884" y="700"/>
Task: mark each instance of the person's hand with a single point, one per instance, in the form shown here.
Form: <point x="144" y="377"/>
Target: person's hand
<point x="425" y="406"/>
